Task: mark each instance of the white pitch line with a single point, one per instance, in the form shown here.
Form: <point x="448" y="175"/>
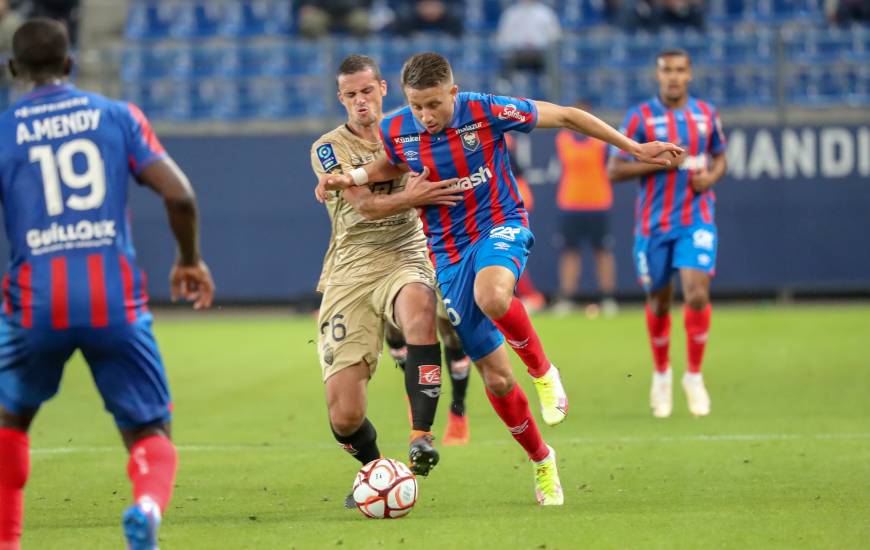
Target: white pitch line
<point x="492" y="442"/>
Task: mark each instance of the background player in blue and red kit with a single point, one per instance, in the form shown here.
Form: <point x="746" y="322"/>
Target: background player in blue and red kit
<point x="479" y="247"/>
<point x="66" y="157"/>
<point x="674" y="228"/>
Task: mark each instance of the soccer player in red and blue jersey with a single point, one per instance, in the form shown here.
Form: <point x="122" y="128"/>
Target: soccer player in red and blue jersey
<point x="479" y="247"/>
<point x="66" y="157"/>
<point x="674" y="228"/>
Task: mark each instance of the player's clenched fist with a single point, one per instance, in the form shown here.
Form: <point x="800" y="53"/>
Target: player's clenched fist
<point x="192" y="283"/>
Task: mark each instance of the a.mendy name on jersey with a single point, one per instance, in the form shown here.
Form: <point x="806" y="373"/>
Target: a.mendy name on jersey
<point x="58" y="126"/>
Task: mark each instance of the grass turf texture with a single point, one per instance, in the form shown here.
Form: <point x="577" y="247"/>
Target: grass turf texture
<point x="783" y="461"/>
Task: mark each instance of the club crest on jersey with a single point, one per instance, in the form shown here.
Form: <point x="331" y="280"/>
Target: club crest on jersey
<point x="470" y="141"/>
<point x="430" y="375"/>
<point x="326" y="156"/>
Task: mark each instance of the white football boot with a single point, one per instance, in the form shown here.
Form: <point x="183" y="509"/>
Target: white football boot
<point x="696" y="394"/>
<point x="551" y="393"/>
<point x="548" y="488"/>
<point x="660" y="395"/>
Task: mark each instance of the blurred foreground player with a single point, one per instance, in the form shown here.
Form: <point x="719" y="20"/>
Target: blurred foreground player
<point x="480" y="246"/>
<point x="66" y="157"/>
<point x="375" y="273"/>
<point x="674" y="227"/>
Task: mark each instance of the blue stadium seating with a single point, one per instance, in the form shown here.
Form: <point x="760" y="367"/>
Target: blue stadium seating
<point x="149" y="20"/>
<point x="238" y="59"/>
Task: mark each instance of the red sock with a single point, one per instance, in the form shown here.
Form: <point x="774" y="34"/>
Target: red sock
<point x="520" y="334"/>
<point x="14" y="469"/>
<point x="697" y="323"/>
<point x="513" y="409"/>
<point x="152" y="465"/>
<point x="659" y="329"/>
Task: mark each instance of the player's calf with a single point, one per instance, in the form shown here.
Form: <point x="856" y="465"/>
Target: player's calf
<point x="14" y="471"/>
<point x="151" y="468"/>
<point x="457" y="431"/>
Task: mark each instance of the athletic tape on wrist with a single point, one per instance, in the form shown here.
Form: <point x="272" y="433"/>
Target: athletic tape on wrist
<point x="359" y="176"/>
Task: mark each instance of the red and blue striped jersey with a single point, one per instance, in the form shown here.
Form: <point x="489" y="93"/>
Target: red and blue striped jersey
<point x="472" y="148"/>
<point x="66" y="157"/>
<point x="665" y="199"/>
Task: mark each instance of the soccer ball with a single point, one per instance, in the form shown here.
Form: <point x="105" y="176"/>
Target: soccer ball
<point x="385" y="489"/>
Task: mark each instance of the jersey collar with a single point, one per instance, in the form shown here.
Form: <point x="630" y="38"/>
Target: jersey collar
<point x="47" y="89"/>
<point x="657" y="102"/>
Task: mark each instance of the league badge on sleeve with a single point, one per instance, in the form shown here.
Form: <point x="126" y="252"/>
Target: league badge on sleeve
<point x="326" y="155"/>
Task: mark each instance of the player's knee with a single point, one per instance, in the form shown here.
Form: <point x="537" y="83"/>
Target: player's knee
<point x="697" y="298"/>
<point x="498" y="378"/>
<point x="494" y="300"/>
<point x="660" y="302"/>
<point x="420" y="329"/>
<point x="346" y="421"/>
<point x="416" y="314"/>
<point x="14" y="421"/>
<point x="131" y="436"/>
<point x="498" y="383"/>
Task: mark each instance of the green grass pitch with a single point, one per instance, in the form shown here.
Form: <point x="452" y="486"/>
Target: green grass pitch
<point x="782" y="462"/>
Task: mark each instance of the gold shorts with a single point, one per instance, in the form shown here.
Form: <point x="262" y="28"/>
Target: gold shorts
<point x="352" y="317"/>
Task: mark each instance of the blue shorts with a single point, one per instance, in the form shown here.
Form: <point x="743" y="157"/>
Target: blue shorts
<point x="506" y="245"/>
<point x="657" y="257"/>
<point x="124" y="362"/>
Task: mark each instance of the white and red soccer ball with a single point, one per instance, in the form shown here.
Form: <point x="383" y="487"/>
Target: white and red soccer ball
<point x="385" y="489"/>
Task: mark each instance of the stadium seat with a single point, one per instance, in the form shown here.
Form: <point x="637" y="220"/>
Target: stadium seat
<point x="483" y="15"/>
<point x="149" y="20"/>
<point x="250" y="18"/>
<point x="197" y="19"/>
<point x="151" y="63"/>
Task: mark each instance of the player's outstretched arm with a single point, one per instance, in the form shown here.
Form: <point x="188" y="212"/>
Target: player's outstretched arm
<point x="190" y="277"/>
<point x="379" y="170"/>
<point x="418" y="192"/>
<point x="619" y="169"/>
<point x="551" y="115"/>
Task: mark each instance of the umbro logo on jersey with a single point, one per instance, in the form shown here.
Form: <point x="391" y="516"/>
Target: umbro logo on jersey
<point x="502" y="246"/>
<point x="411" y="155"/>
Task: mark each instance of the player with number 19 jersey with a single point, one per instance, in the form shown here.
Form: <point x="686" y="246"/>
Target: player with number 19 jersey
<point x="66" y="157"/>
